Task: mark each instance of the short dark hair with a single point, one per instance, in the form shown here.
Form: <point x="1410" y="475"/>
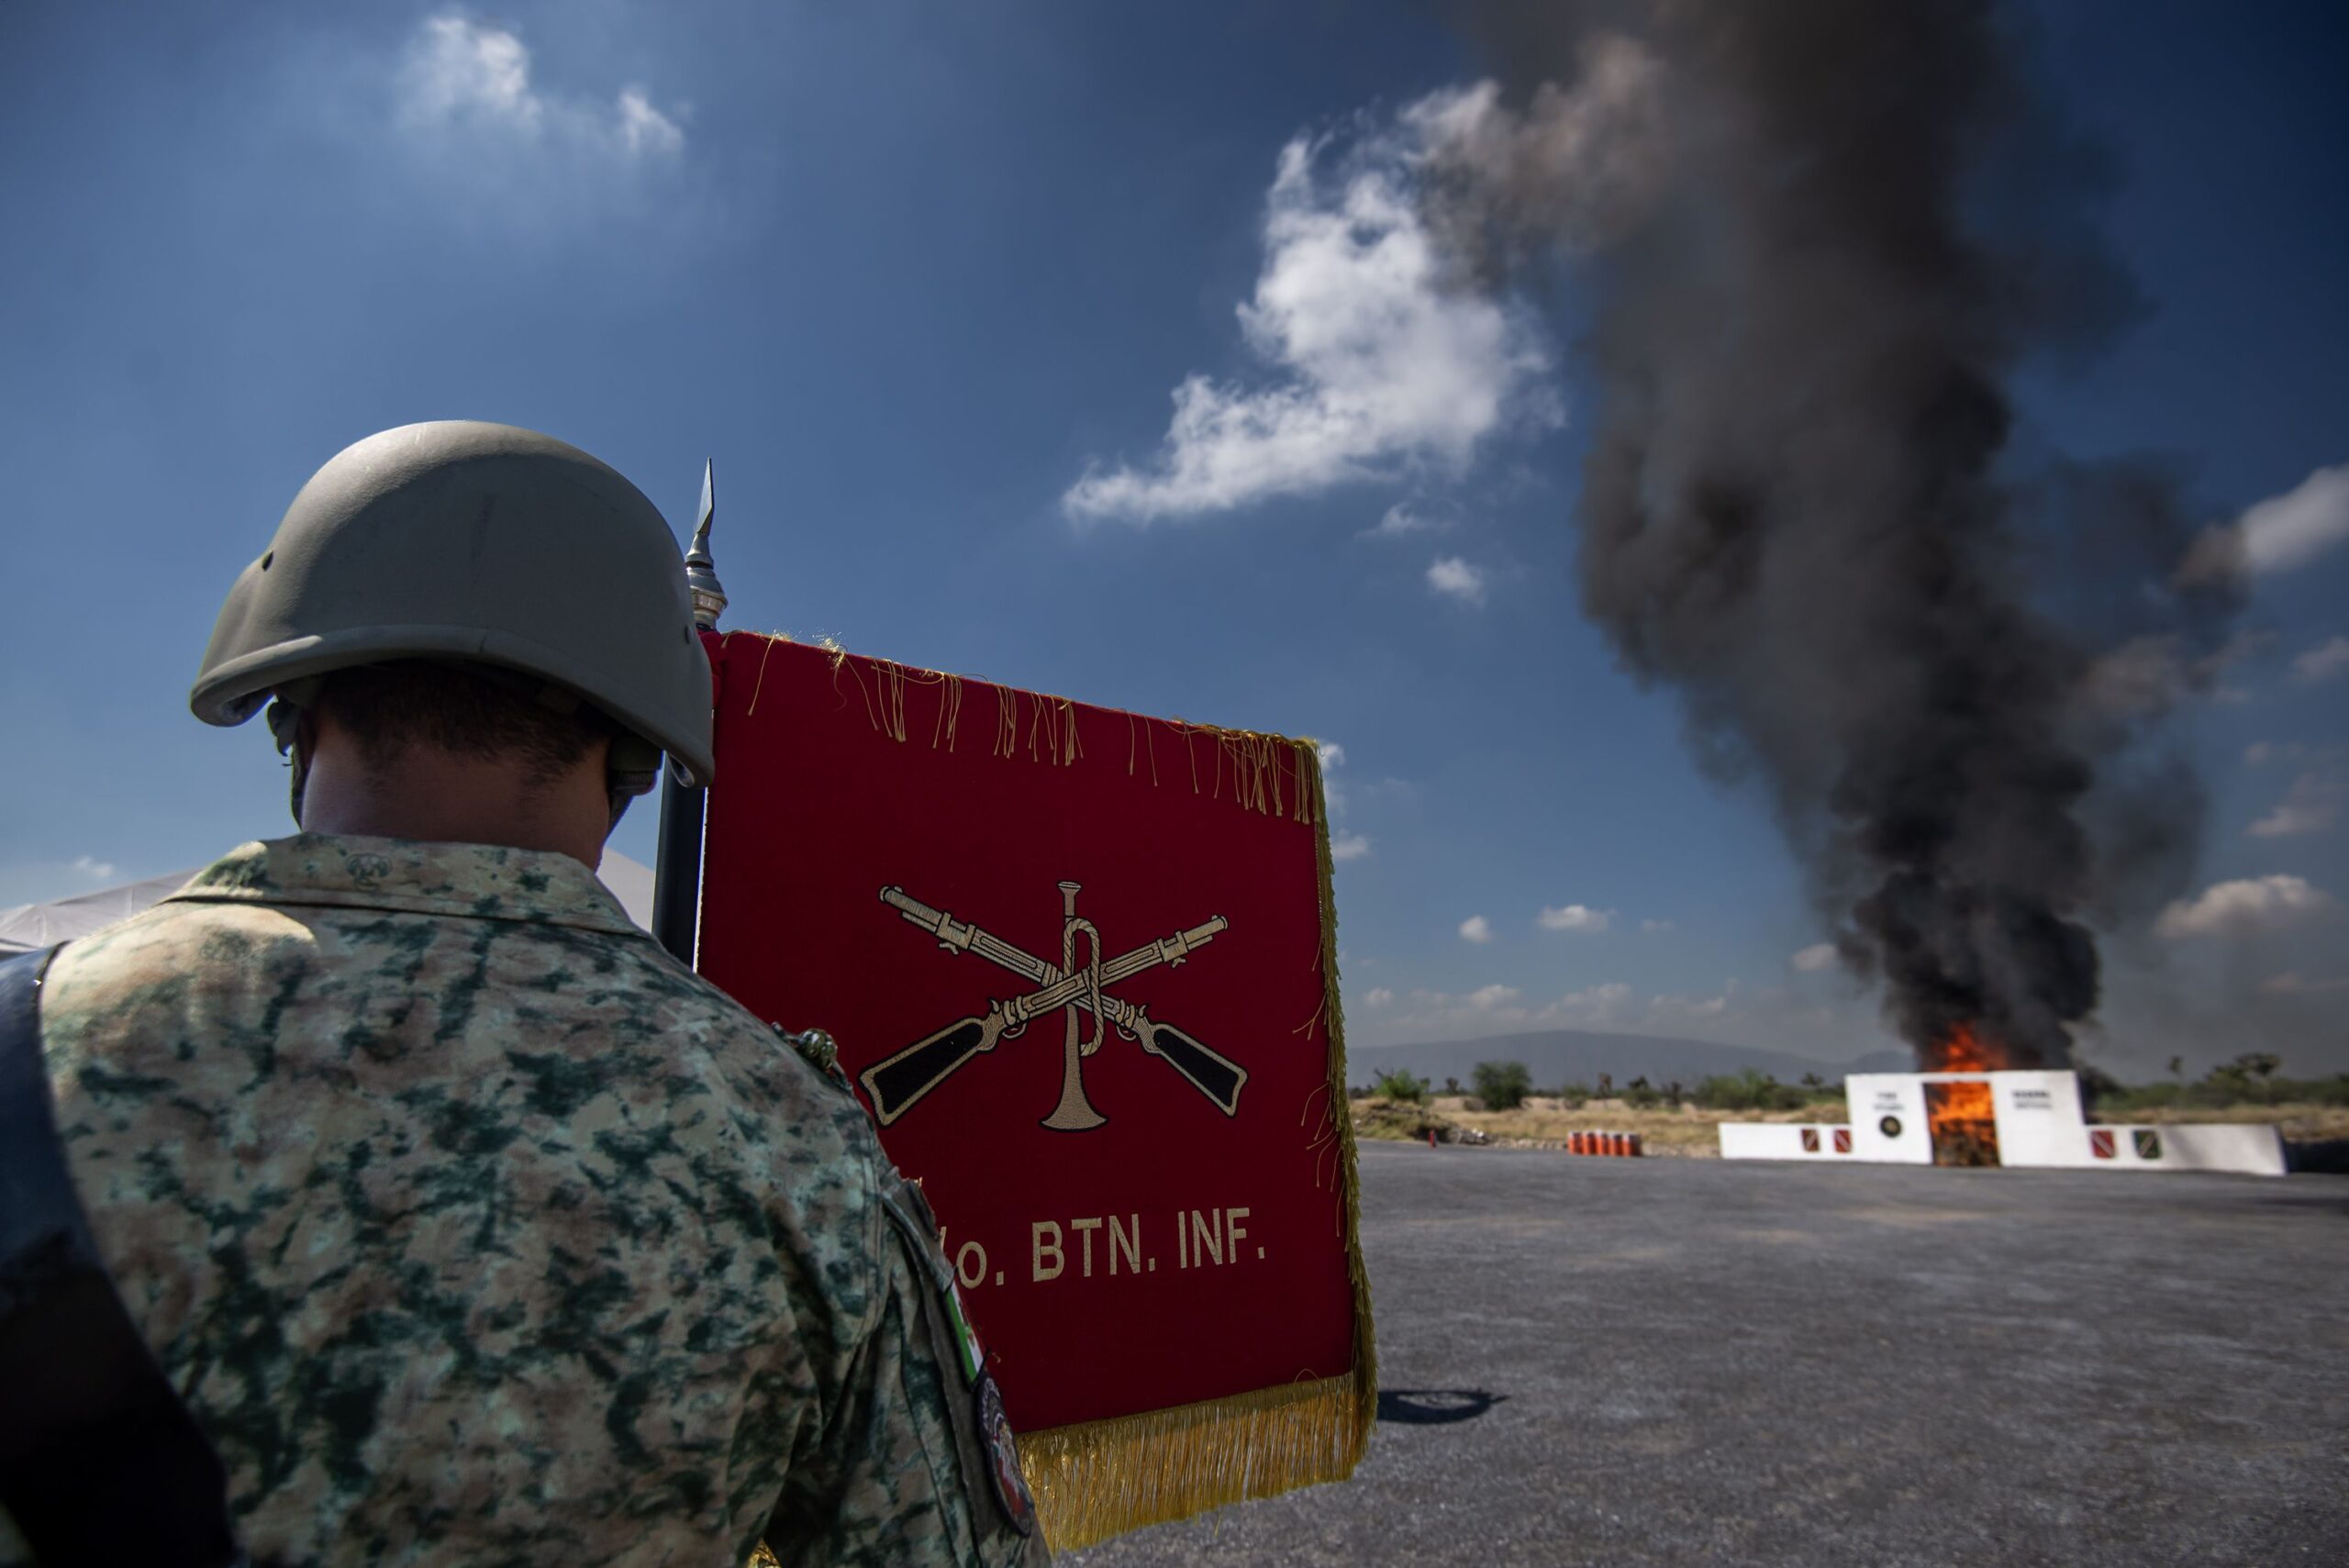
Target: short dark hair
<point x="467" y="709"/>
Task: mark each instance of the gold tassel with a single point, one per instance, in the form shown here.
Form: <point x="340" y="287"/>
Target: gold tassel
<point x="1102" y="1478"/>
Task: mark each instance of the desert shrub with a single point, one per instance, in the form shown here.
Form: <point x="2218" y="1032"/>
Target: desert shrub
<point x="1394" y="1119"/>
<point x="2146" y="1096"/>
<point x="1502" y="1085"/>
<point x="1574" y="1095"/>
<point x="1748" y="1089"/>
<point x="1641" y="1095"/>
<point x="2333" y="1091"/>
<point x="2237" y="1083"/>
<point x="1400" y="1085"/>
<point x="2249" y="1079"/>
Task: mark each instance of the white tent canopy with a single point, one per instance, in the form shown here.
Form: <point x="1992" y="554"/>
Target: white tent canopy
<point x="31" y="926"/>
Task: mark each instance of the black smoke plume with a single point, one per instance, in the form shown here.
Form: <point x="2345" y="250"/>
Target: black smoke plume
<point x="1821" y="238"/>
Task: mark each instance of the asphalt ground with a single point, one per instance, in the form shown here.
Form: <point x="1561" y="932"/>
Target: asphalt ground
<point x="1636" y="1361"/>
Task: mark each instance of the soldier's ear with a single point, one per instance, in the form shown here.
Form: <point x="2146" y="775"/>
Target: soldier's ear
<point x="301" y="742"/>
<point x="293" y="725"/>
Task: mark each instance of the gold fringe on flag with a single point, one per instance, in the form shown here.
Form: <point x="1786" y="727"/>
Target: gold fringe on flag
<point x="1102" y="1478"/>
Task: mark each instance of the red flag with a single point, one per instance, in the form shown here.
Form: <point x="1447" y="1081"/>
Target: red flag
<point x="1081" y="966"/>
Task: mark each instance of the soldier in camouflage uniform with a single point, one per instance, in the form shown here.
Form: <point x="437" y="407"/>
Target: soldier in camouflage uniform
<point x="474" y="1229"/>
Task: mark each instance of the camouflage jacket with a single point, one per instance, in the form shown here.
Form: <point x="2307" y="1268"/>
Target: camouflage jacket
<point x="477" y="1230"/>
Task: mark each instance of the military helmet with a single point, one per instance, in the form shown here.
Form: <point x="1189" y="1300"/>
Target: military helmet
<point x="482" y="543"/>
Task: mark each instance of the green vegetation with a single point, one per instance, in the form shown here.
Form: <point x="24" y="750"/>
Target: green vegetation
<point x="1748" y="1089"/>
<point x="1403" y="1121"/>
<point x="2250" y="1079"/>
<point x="1402" y="1086"/>
<point x="1502" y="1085"/>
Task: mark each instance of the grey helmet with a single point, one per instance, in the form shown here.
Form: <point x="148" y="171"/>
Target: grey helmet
<point x="483" y="543"/>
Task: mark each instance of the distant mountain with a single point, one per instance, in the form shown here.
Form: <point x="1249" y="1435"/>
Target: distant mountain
<point x="1562" y="1056"/>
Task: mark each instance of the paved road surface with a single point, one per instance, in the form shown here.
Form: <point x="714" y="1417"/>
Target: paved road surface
<point x="1695" y="1362"/>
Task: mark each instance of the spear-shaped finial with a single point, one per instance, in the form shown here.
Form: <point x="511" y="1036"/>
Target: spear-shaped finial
<point x="701" y="572"/>
<point x="676" y="876"/>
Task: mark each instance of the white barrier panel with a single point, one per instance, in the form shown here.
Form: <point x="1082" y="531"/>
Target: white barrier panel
<point x="1888" y="1113"/>
<point x="1786" y="1141"/>
<point x="2039" y="1118"/>
<point x="2254" y="1150"/>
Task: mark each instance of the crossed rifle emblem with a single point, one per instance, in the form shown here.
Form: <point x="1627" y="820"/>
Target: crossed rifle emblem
<point x="899" y="1083"/>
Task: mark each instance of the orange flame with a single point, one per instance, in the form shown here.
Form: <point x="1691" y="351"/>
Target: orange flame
<point x="1964" y="1051"/>
<point x="1964" y="1127"/>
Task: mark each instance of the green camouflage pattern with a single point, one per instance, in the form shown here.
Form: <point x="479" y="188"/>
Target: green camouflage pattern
<point x="477" y="1230"/>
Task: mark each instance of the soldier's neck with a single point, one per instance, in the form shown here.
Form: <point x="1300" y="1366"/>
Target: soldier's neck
<point x="440" y="796"/>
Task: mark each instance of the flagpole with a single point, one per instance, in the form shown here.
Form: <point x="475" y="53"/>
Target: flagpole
<point x="676" y="873"/>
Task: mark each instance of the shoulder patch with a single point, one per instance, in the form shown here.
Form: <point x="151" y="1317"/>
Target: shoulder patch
<point x="1002" y="1456"/>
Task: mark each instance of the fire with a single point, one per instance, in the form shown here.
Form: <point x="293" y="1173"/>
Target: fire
<point x="1962" y="1051"/>
<point x="1964" y="1129"/>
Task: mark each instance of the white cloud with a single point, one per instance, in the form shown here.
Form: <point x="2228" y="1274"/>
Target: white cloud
<point x="2311" y="804"/>
<point x="1812" y="959"/>
<point x="2326" y="659"/>
<point x="645" y="131"/>
<point x="1435" y="1014"/>
<point x="1333" y="794"/>
<point x="1575" y="917"/>
<point x="1379" y="996"/>
<point x="1401" y="520"/>
<point x="1476" y="928"/>
<point x="2239" y="907"/>
<point x="471" y="81"/>
<point x="2277" y="534"/>
<point x="1613" y="1005"/>
<point x="456" y="68"/>
<point x="96" y="870"/>
<point x="1378" y="368"/>
<point x="1656" y="927"/>
<point x="1689" y="1007"/>
<point x="1455" y="578"/>
<point x="1348" y="846"/>
<point x="1592" y="1005"/>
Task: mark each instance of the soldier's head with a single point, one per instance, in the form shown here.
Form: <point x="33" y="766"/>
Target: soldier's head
<point x="471" y="632"/>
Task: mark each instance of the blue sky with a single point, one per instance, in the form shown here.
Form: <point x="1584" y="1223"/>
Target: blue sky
<point x="925" y="281"/>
